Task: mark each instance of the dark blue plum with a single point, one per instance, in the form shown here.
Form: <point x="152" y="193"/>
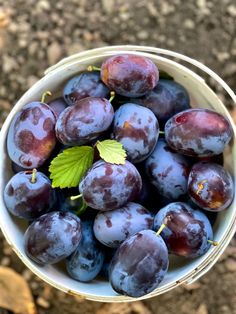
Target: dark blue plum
<point x="210" y="186"/>
<point x="52" y="237"/>
<point x="29" y="199"/>
<point x="198" y="132"/>
<point x="129" y="75"/>
<point x="187" y="230"/>
<point x="85" y="121"/>
<point x="87" y="260"/>
<point x="148" y="194"/>
<point x="108" y="186"/>
<point x="66" y="204"/>
<point x="31" y="136"/>
<point x="137" y="129"/>
<point x="57" y="105"/>
<point x="109" y="253"/>
<point x="165" y="100"/>
<point x="168" y="171"/>
<point x="113" y="227"/>
<point x="139" y="264"/>
<point x="87" y="84"/>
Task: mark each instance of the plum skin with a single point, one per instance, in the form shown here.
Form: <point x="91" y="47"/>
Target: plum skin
<point x="198" y="132"/>
<point x="216" y="191"/>
<point x="129" y="75"/>
<point x="57" y="106"/>
<point x="108" y="186"/>
<point x="112" y="227"/>
<point x="84" y="121"/>
<point x="86" y="261"/>
<point x="52" y="237"/>
<point x="168" y="171"/>
<point x="187" y="230"/>
<point x="87" y="84"/>
<point x="28" y="200"/>
<point x="139" y="264"/>
<point x="31" y="136"/>
<point x="165" y="100"/>
<point x="137" y="128"/>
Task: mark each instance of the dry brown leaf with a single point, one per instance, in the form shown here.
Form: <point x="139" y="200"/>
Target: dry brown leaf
<point x="15" y="294"/>
<point x="202" y="309"/>
<point x="124" y="308"/>
<point x="4" y="19"/>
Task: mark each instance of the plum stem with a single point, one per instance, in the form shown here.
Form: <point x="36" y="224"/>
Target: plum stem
<point x="96" y="144"/>
<point x="160" y="229"/>
<point x="112" y="96"/>
<point x="163" y="225"/>
<point x="75" y="197"/>
<point x="214" y="243"/>
<point x="161" y="132"/>
<point x="45" y="94"/>
<point x="34" y="173"/>
<point x="91" y="68"/>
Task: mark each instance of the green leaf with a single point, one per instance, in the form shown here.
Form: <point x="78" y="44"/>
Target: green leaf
<point x="111" y="151"/>
<point x="68" y="167"/>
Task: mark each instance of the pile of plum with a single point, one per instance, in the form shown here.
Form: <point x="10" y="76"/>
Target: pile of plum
<point x="158" y="202"/>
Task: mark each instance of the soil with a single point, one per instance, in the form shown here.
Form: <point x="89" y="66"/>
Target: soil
<point x="37" y="34"/>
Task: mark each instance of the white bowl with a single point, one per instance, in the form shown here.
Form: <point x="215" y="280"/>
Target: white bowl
<point x="181" y="270"/>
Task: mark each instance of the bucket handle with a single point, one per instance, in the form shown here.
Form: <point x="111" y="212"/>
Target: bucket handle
<point x="153" y="50"/>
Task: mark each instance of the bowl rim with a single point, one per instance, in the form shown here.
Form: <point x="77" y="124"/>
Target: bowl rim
<point x="215" y="254"/>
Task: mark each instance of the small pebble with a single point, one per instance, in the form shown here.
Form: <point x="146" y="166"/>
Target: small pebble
<point x="232" y="10"/>
<point x="5" y="261"/>
<point x="229" y="69"/>
<point x="224" y="309"/>
<point x="9" y="64"/>
<point x="31" y="80"/>
<point x="124" y="16"/>
<point x="74" y="48"/>
<point x="108" y="5"/>
<point x="143" y="35"/>
<point x="27" y="274"/>
<point x="202" y="309"/>
<point x="43" y="303"/>
<point x="43" y="5"/>
<point x="223" y="56"/>
<point x="152" y="9"/>
<point x="201" y="4"/>
<point x="7" y="250"/>
<point x="189" y="24"/>
<point x="34" y="285"/>
<point x="170" y="42"/>
<point x="230" y="265"/>
<point x="54" y="53"/>
<point x="124" y="308"/>
<point x="5" y="104"/>
<point x="166" y="8"/>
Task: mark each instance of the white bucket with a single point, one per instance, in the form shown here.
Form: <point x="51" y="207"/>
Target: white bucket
<point x="181" y="270"/>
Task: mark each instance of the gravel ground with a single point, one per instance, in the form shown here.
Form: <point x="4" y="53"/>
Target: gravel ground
<point x="35" y="35"/>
